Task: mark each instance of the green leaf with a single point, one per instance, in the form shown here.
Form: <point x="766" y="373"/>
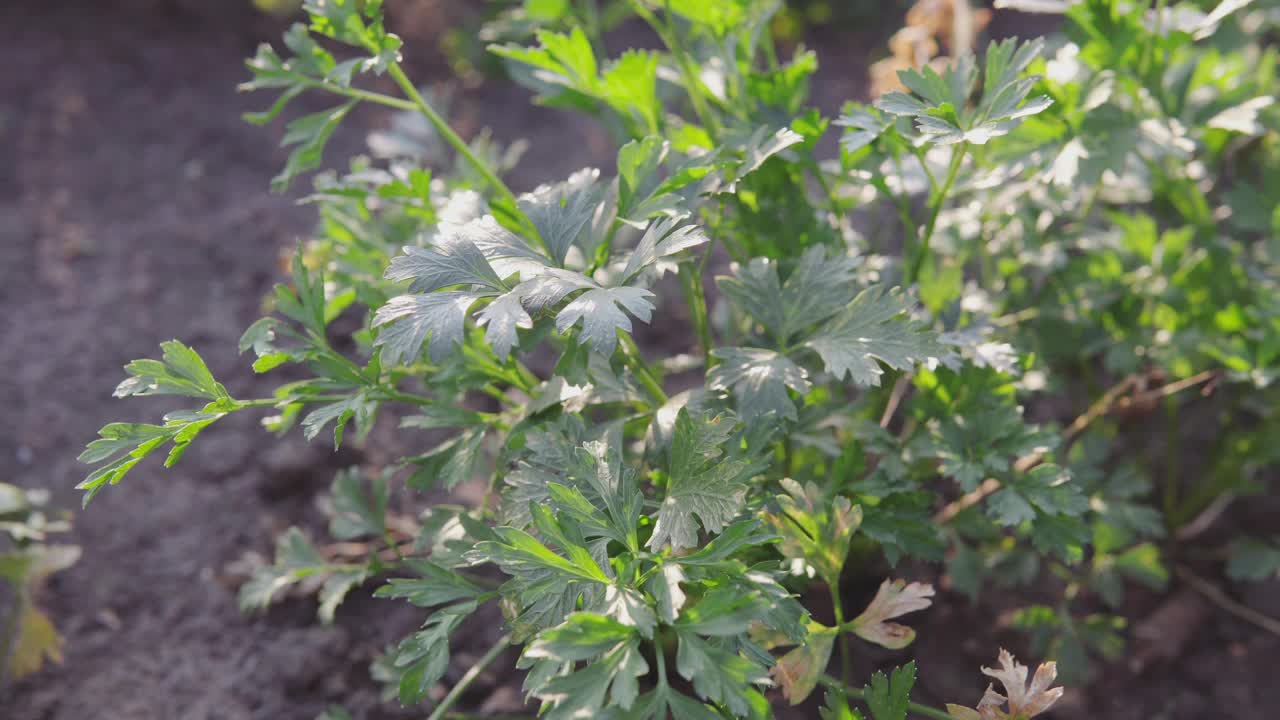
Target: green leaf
<point x="421" y="659"/>
<point x="611" y="677"/>
<point x="180" y="428"/>
<point x="356" y="514"/>
<point x="664" y="586"/>
<point x="581" y="636"/>
<point x="759" y="378"/>
<point x="630" y="87"/>
<point x="902" y="524"/>
<point x="817" y="288"/>
<point x="815" y="528"/>
<point x="600" y="311"/>
<point x="449" y="463"/>
<point x="888" y="697"/>
<point x="836" y="707"/>
<point x="1142" y="563"/>
<point x="874" y="329"/>
<point x="981" y="442"/>
<point x="438" y="417"/>
<point x="663" y="238"/>
<point x="868" y="124"/>
<point x="357" y="407"/>
<point x="454" y="260"/>
<point x="703" y="484"/>
<point x="181" y="371"/>
<point x="407" y="321"/>
<point x="1050" y="489"/>
<point x="733" y="539"/>
<point x="434" y="586"/>
<point x="309" y="134"/>
<point x="941" y="108"/>
<point x="520" y="554"/>
<point x="718" y="675"/>
<point x="335" y="589"/>
<point x="562" y="211"/>
<point x="297" y="560"/>
<point x="638" y="163"/>
<point x="1254" y="559"/>
<point x="503" y="319"/>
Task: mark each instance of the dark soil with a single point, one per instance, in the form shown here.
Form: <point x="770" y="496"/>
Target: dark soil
<point x="133" y="209"/>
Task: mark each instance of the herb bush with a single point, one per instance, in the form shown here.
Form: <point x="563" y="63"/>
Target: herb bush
<point x="1085" y="226"/>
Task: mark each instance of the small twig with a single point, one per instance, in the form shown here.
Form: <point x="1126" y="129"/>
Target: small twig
<point x="1144" y="398"/>
<point x="455" y="694"/>
<point x="1026" y="462"/>
<point x="895" y="398"/>
<point x="1206" y="518"/>
<point x="1215" y="595"/>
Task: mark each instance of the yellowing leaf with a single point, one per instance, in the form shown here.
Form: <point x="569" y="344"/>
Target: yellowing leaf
<point x="894" y="598"/>
<point x="38" y="640"/>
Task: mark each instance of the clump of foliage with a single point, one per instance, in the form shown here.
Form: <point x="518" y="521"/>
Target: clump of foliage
<point x="28" y="637"/>
<point x="1060" y="215"/>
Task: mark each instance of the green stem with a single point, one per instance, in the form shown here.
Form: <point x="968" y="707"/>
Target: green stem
<point x="900" y="201"/>
<point x="861" y="694"/>
<point x="833" y="200"/>
<point x="358" y="94"/>
<point x="456" y="692"/>
<point x="393" y="394"/>
<point x="924" y="164"/>
<point x="922" y="251"/>
<point x="693" y="86"/>
<point x="643" y="372"/>
<point x="846" y="656"/>
<point x="459" y="145"/>
<point x="696" y="295"/>
<point x="12" y="628"/>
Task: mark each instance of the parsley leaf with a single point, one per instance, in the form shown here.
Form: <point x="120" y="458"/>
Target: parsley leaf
<point x="703" y="482"/>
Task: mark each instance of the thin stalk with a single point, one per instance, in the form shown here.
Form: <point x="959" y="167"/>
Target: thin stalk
<point x="861" y="694"/>
<point x="455" y="694"/>
<point x="643" y="372"/>
<point x="358" y="94"/>
<point x="393" y="394"/>
<point x="591" y="24"/>
<point x="695" y="294"/>
<point x="1171" y="477"/>
<point x="899" y="201"/>
<point x="922" y="251"/>
<point x="459" y="145"/>
<point x="688" y="73"/>
<point x="924" y="164"/>
<point x="1224" y="601"/>
<point x="829" y="192"/>
<point x="846" y="655"/>
<point x="660" y="656"/>
<point x="12" y="628"/>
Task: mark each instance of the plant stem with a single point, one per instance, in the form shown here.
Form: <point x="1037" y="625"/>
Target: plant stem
<point x="455" y="693"/>
<point x="358" y="94"/>
<point x="846" y="658"/>
<point x="693" y="86"/>
<point x="12" y="629"/>
<point x="643" y="372"/>
<point x="459" y="145"/>
<point x="861" y="694"/>
<point x="691" y="282"/>
<point x="1224" y="601"/>
<point x="922" y="250"/>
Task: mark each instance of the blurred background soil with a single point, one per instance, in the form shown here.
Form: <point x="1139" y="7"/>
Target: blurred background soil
<point x="134" y="209"/>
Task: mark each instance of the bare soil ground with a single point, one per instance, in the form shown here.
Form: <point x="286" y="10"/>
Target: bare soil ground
<point x="133" y="209"/>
